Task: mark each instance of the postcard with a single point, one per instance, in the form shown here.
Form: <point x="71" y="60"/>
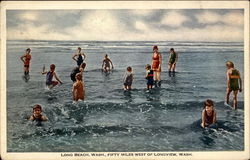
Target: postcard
<point x="125" y="80"/>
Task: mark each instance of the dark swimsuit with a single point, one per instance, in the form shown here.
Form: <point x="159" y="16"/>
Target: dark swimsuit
<point x="38" y="120"/>
<point x="79" y="60"/>
<point x="49" y="77"/>
<point x="172" y="58"/>
<point x="73" y="73"/>
<point x="209" y="119"/>
<point x="150" y="77"/>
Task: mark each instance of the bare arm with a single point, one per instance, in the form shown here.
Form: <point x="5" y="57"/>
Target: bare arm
<point x="176" y="59"/>
<point x="160" y="61"/>
<point x="214" y="118"/>
<point x="228" y="79"/>
<point x="74" y="57"/>
<point x="73" y="91"/>
<point x="44" y="72"/>
<point x="44" y="118"/>
<point x="102" y="64"/>
<point x="111" y="64"/>
<point x="203" y="119"/>
<point x="57" y="78"/>
<point x="22" y="58"/>
<point x="240" y="81"/>
<point x="84" y="56"/>
<point x="31" y="118"/>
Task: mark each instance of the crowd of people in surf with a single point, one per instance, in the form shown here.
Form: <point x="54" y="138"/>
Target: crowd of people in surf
<point x="153" y="80"/>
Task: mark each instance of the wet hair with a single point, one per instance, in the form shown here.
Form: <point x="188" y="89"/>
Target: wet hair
<point x="229" y="64"/>
<point x="106" y="55"/>
<point x="79" y="48"/>
<point x="155" y="47"/>
<point x="148" y="66"/>
<point x="28" y="50"/>
<point x="208" y="102"/>
<point x="83" y="65"/>
<point x="37" y="106"/>
<point x="52" y="66"/>
<point x="79" y="76"/>
<point x="129" y="68"/>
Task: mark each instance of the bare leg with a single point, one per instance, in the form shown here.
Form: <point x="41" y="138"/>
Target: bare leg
<point x="235" y="99"/>
<point x="227" y="96"/>
<point x="173" y="67"/>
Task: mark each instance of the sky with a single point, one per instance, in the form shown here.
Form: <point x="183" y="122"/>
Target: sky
<point x="215" y="25"/>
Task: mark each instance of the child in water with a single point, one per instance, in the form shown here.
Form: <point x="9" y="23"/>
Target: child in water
<point x="79" y="57"/>
<point x="149" y="76"/>
<point x="173" y="57"/>
<point x="26" y="61"/>
<point x="37" y="116"/>
<point x="49" y="77"/>
<point x="77" y="70"/>
<point x="208" y="114"/>
<point x="106" y="64"/>
<point x="78" y="88"/>
<point x="128" y="79"/>
<point x="234" y="83"/>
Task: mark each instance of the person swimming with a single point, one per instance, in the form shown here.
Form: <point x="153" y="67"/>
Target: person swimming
<point x="79" y="57"/>
<point x="149" y="76"/>
<point x="77" y="70"/>
<point x="128" y="79"/>
<point x="234" y="83"/>
<point x="106" y="64"/>
<point x="37" y="116"/>
<point x="156" y="66"/>
<point x="208" y="114"/>
<point x="49" y="77"/>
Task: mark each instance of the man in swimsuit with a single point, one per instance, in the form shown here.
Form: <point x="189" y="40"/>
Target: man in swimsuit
<point x="79" y="57"/>
<point x="156" y="66"/>
<point x="26" y="61"/>
<point x="173" y="57"/>
<point x="208" y="114"/>
<point x="49" y="77"/>
<point x="37" y="116"/>
<point x="234" y="83"/>
<point x="78" y="88"/>
<point x="106" y="64"/>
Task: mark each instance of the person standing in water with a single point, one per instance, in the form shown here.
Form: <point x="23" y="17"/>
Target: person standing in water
<point x="149" y="76"/>
<point x="79" y="57"/>
<point x="106" y="64"/>
<point x="78" y="88"/>
<point x="156" y="66"/>
<point x="208" y="114"/>
<point x="173" y="57"/>
<point x="26" y="61"/>
<point x="77" y="70"/>
<point x="49" y="77"/>
<point x="128" y="79"/>
<point x="234" y="83"/>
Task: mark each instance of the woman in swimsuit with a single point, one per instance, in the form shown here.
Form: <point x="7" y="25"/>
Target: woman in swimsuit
<point x="234" y="83"/>
<point x="79" y="57"/>
<point x="208" y="114"/>
<point x="156" y="66"/>
<point x="26" y="61"/>
<point x="77" y="70"/>
<point x="173" y="57"/>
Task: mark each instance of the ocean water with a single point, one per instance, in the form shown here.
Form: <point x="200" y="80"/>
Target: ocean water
<point x="164" y="119"/>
